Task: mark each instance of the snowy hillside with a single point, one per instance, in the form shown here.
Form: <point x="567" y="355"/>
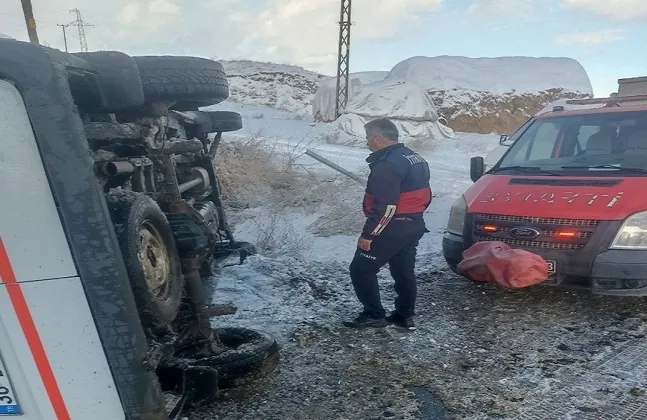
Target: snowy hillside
<point x="474" y="95"/>
<point x="279" y="86"/>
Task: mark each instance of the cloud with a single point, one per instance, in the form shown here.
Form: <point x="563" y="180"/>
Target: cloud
<point x="501" y="9"/>
<point x="129" y="13"/>
<point x="302" y="32"/>
<point x="590" y="38"/>
<point x="164" y="6"/>
<point x="622" y="10"/>
<point x="306" y="31"/>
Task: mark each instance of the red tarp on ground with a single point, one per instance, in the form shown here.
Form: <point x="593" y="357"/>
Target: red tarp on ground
<point x="497" y="263"/>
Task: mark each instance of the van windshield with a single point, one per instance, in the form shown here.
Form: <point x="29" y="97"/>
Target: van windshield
<point x="581" y="144"/>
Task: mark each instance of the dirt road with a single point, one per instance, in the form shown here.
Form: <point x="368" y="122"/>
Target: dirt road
<point x="482" y="352"/>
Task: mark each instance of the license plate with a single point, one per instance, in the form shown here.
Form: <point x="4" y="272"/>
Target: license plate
<point x="552" y="266"/>
<point x="8" y="404"/>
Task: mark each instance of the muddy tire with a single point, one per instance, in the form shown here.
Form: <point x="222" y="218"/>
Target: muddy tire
<point x="225" y="121"/>
<point x="251" y="355"/>
<point x="190" y="82"/>
<point x="150" y="255"/>
<point x="453" y="268"/>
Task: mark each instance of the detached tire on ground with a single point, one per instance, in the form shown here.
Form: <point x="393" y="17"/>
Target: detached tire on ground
<point x="150" y="254"/>
<point x="251" y="355"/>
<point x="225" y="121"/>
<point x="191" y="82"/>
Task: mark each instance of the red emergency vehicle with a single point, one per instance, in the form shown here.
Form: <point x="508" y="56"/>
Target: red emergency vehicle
<point x="572" y="188"/>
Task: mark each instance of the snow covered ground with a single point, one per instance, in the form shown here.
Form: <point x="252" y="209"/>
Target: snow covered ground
<point x="449" y="160"/>
<point x="481" y="351"/>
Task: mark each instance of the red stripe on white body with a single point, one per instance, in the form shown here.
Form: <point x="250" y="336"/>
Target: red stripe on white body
<point x="19" y="303"/>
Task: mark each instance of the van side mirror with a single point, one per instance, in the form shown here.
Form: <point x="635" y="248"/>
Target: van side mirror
<point x="503" y="138"/>
<point x="477" y="168"/>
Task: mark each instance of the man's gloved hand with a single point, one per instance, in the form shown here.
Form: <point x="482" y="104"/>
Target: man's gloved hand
<point x="364" y="244"/>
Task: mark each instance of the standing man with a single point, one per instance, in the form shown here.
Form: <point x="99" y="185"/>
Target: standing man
<point x="397" y="194"/>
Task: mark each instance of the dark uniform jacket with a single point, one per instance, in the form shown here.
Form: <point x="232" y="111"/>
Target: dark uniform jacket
<point x="398" y="185"/>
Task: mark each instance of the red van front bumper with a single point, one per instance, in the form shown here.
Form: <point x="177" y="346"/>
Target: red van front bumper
<point x="586" y="264"/>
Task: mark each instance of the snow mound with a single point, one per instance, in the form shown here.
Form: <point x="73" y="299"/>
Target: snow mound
<point x="325" y="99"/>
<point x="402" y="101"/>
<point x="279" y="86"/>
<point x="3" y="36"/>
<point x="394" y="99"/>
<point x="494" y="95"/>
<point x="498" y="75"/>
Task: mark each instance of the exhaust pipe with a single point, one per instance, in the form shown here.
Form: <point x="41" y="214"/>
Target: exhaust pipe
<point x="115" y="168"/>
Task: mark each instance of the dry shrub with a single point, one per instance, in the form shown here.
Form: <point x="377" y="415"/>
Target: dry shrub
<point x="342" y="211"/>
<point x="255" y="175"/>
<point x="248" y="171"/>
<point x="277" y="235"/>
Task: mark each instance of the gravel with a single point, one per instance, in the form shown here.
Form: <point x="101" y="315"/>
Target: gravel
<point x="480" y="352"/>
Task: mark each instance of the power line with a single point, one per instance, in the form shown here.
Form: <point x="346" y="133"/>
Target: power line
<point x="343" y="57"/>
<point x="80" y="24"/>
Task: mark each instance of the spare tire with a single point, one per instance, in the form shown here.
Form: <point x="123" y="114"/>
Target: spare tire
<point x="225" y="121"/>
<point x="150" y="254"/>
<point x="190" y="82"/>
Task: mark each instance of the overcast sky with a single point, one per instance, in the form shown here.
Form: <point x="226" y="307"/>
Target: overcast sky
<point x="608" y="37"/>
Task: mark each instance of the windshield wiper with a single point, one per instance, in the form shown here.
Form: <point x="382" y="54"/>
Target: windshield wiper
<point x="616" y="167"/>
<point x="530" y="169"/>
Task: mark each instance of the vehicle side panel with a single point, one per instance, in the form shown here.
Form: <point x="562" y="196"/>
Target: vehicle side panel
<point x="41" y="78"/>
<point x="66" y="330"/>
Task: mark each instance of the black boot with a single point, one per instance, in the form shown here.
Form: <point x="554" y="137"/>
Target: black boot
<point x="364" y="320"/>
<point x="397" y="319"/>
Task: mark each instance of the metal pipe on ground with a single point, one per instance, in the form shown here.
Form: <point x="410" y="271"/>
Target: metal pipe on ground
<point x="336" y="167"/>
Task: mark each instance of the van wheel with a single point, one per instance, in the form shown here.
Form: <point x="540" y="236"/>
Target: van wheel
<point x="150" y="254"/>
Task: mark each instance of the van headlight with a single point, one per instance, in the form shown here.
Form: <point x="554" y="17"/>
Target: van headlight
<point x="457" y="217"/>
<point x="633" y="233"/>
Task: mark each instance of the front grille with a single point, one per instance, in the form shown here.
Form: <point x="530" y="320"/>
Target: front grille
<point x="519" y="243"/>
<point x="537" y="220"/>
<point x="554" y="233"/>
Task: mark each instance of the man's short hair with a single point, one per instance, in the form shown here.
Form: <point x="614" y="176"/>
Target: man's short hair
<point x="383" y="127"/>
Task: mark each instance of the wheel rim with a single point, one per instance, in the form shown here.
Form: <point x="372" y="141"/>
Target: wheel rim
<point x="154" y="259"/>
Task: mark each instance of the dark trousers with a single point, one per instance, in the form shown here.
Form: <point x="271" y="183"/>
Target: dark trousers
<point x="396" y="246"/>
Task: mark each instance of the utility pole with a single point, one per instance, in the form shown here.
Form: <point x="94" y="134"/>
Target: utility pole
<point x="80" y="24"/>
<point x="343" y="57"/>
<point x="30" y="21"/>
<point x="64" y="34"/>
